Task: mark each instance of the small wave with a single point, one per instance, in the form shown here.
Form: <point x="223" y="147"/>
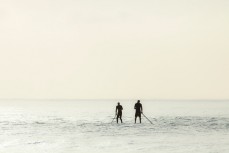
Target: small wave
<point x="36" y="142"/>
<point x="39" y="122"/>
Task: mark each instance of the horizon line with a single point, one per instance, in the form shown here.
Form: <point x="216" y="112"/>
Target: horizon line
<point x="124" y="99"/>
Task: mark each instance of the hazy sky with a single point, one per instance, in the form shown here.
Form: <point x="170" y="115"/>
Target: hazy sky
<point x="113" y="49"/>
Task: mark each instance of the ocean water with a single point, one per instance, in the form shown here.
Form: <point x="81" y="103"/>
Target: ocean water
<point x="64" y="126"/>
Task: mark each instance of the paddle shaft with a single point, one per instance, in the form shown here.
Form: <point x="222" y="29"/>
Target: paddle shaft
<point x="113" y="118"/>
<point x="147" y="118"/>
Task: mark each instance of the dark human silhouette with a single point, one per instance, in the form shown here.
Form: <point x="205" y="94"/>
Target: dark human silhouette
<point x="139" y="110"/>
<point x="118" y="112"/>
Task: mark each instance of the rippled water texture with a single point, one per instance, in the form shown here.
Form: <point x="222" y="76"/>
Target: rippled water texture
<point x="85" y="126"/>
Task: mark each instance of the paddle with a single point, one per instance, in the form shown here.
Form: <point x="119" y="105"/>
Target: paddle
<point x="147" y="118"/>
<point x="113" y="119"/>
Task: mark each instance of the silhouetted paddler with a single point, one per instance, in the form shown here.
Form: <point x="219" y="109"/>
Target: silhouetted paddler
<point x="118" y="112"/>
<point x="139" y="110"/>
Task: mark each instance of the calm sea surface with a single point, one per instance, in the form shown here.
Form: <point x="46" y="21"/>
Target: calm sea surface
<point x="62" y="126"/>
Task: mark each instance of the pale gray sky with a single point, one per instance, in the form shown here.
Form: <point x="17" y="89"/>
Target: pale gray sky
<point x="111" y="49"/>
